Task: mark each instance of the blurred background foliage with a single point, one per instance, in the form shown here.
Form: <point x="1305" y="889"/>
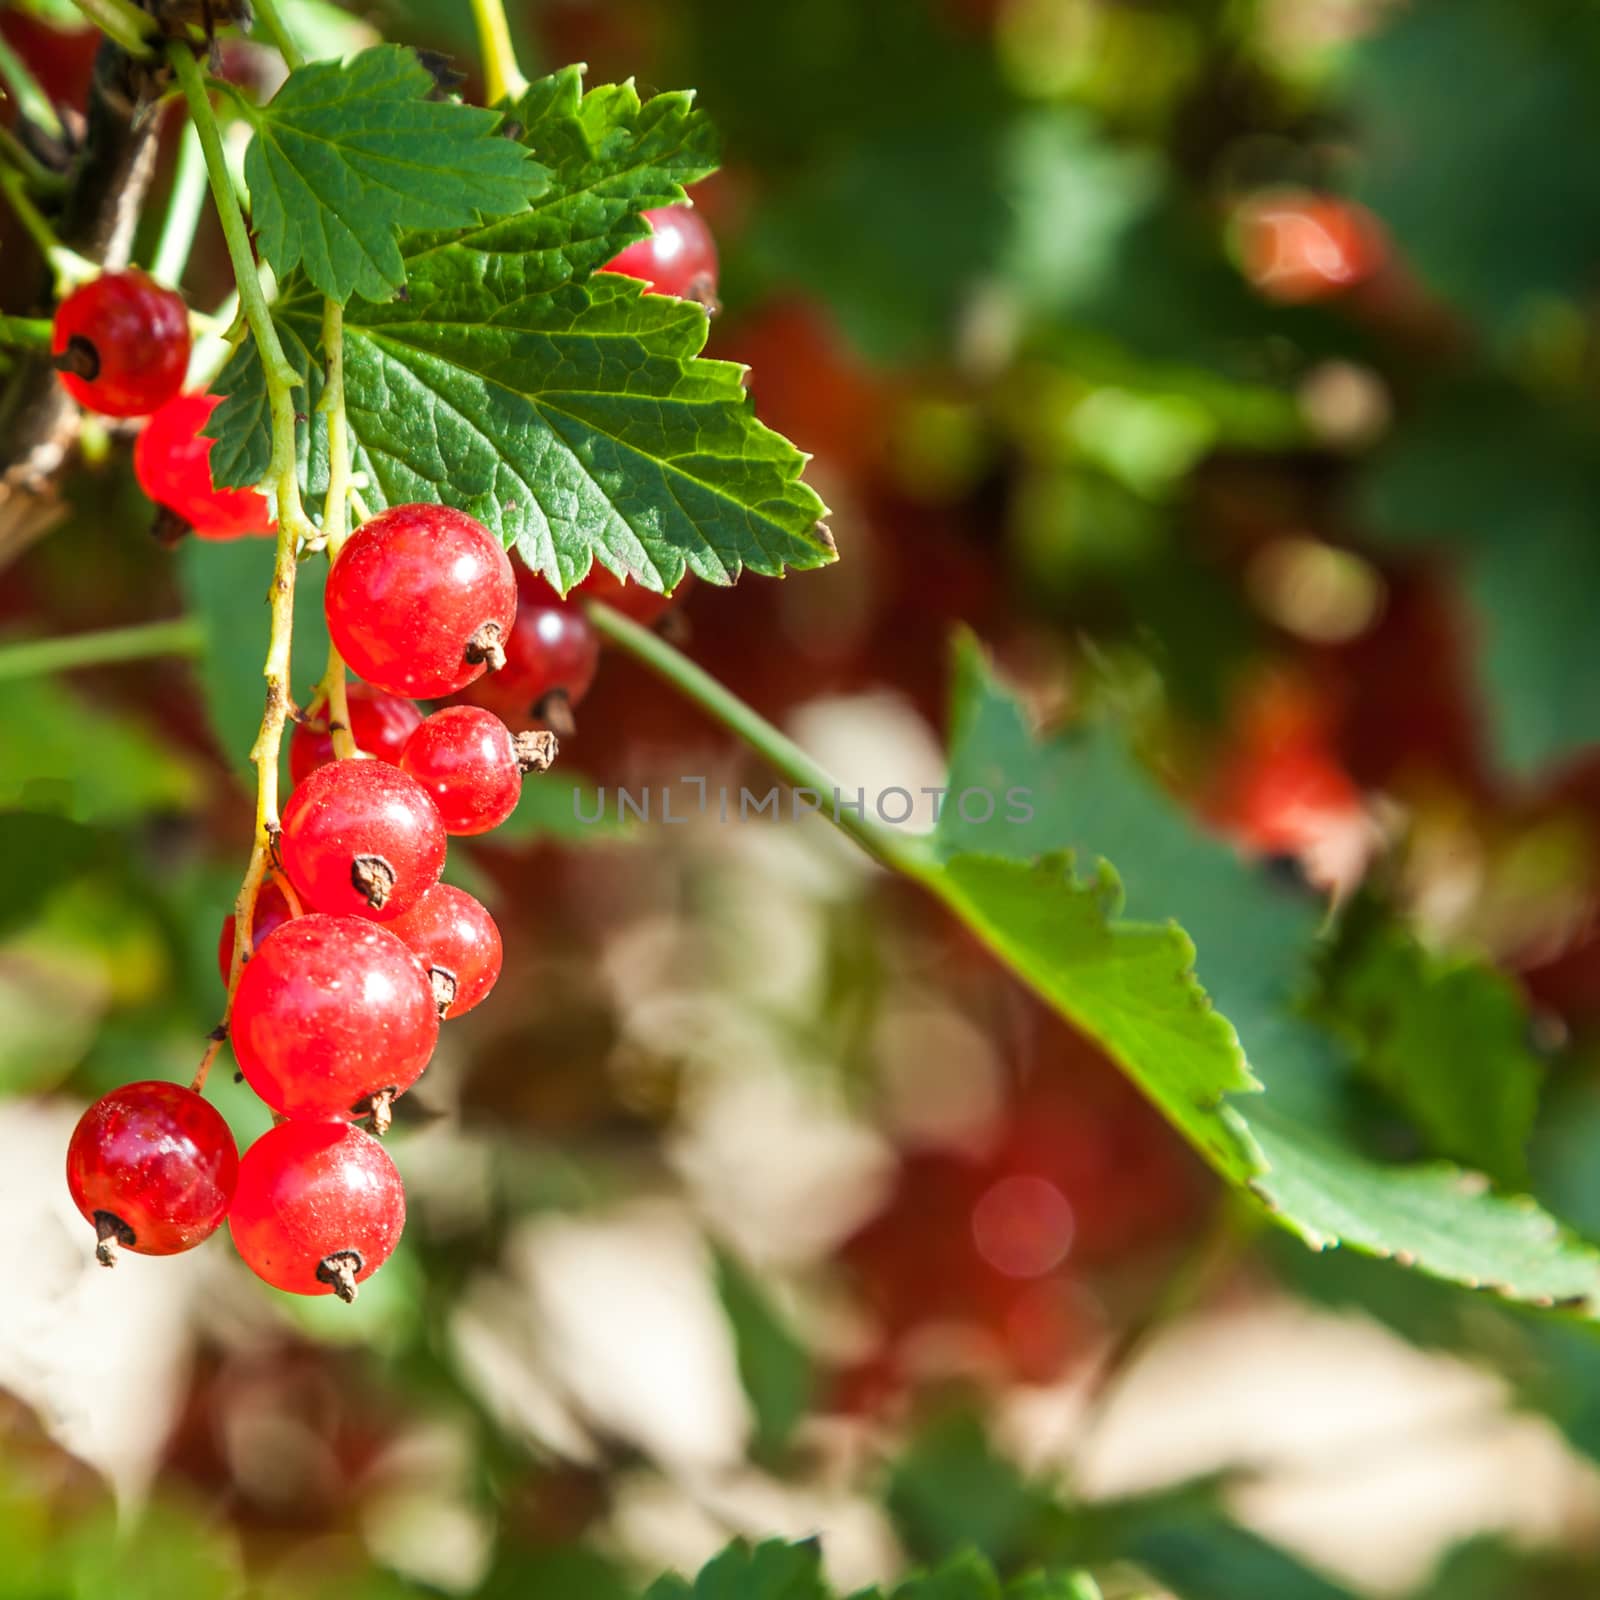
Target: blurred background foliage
<point x="1228" y="367"/>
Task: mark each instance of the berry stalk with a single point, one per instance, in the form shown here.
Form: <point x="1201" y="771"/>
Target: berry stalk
<point x="293" y="526"/>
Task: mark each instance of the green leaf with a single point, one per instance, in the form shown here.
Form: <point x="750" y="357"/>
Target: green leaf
<point x="952" y="1491"/>
<point x="59" y="754"/>
<point x="771" y="1571"/>
<point x="570" y="413"/>
<point x="966" y="1577"/>
<point x="350" y="153"/>
<point x="1446" y="1038"/>
<point x="1055" y="1586"/>
<point x="1131" y="986"/>
<point x="774" y="1367"/>
<point x="226" y="584"/>
<point x="1511" y="484"/>
<point x="1501" y="243"/>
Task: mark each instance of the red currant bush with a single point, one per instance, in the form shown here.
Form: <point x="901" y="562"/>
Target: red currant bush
<point x="679" y="257"/>
<point x="471" y="765"/>
<point x="361" y="838"/>
<point x="272" y="911"/>
<point x="421" y="600"/>
<point x="121" y="344"/>
<point x="456" y="939"/>
<point x="380" y="724"/>
<point x="153" y="1167"/>
<point x="172" y="461"/>
<point x="319" y="1208"/>
<point x="331" y="1015"/>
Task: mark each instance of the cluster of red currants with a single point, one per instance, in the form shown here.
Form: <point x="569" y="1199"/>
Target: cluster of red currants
<point x="357" y="951"/>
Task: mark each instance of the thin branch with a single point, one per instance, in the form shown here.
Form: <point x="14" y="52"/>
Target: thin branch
<point x="36" y="658"/>
<point x="293" y="527"/>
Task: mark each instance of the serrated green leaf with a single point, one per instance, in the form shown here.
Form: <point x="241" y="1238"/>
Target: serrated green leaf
<point x="965" y="1577"/>
<point x="951" y="1491"/>
<point x="770" y="1571"/>
<point x="1446" y="1038"/>
<point x="349" y="154"/>
<point x="569" y="413"/>
<point x="1136" y="993"/>
<point x="774" y="1367"/>
<point x="1129" y="985"/>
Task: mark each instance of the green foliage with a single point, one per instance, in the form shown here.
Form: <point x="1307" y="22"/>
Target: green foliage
<point x="227" y="586"/>
<point x="1522" y="220"/>
<point x="350" y="153"/>
<point x="774" y="1367"/>
<point x="776" y="1571"/>
<point x="1446" y="1038"/>
<point x="951" y="1490"/>
<point x="1284" y="1146"/>
<point x="1511" y="482"/>
<point x="59" y="754"/>
<point x="570" y="413"/>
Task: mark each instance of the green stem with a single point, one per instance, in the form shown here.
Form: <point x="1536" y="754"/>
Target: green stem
<point x="184" y="205"/>
<point x="281" y="379"/>
<point x="37" y="658"/>
<point x="900" y="853"/>
<point x="120" y="21"/>
<point x="267" y="14"/>
<point x="67" y="267"/>
<point x="503" y="78"/>
<point x="283" y="479"/>
<point x="26" y="90"/>
<point x="25" y="333"/>
<point x="41" y="179"/>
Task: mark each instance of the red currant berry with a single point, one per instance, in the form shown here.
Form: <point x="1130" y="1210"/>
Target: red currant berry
<point x="172" y="461"/>
<point x="455" y="938"/>
<point x="678" y="258"/>
<point x="420" y="600"/>
<point x="1298" y="247"/>
<point x="152" y="1166"/>
<point x="471" y="765"/>
<point x="319" y="1208"/>
<point x="272" y="911"/>
<point x="330" y="1013"/>
<point x="361" y="839"/>
<point x="380" y="724"/>
<point x="121" y="344"/>
<point x="552" y="654"/>
<point x="631" y="599"/>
